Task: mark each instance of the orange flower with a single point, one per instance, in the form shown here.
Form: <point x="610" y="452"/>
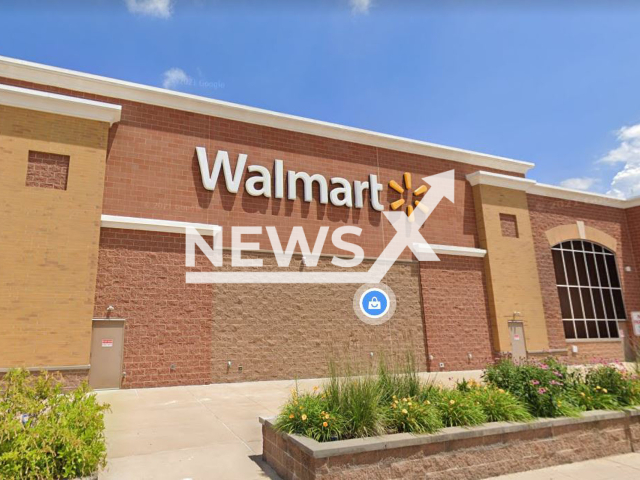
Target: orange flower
<point x="291" y="416"/>
<point x="325" y="424"/>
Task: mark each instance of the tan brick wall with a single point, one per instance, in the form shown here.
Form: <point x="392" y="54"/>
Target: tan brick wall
<point x="48" y="239"/>
<point x="456" y="313"/>
<point x="547" y="214"/>
<point x="513" y="283"/>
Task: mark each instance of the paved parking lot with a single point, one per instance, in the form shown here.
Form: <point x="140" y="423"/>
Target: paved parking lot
<point x="212" y="432"/>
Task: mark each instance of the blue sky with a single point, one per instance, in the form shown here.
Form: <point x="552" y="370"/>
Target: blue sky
<point x="558" y="86"/>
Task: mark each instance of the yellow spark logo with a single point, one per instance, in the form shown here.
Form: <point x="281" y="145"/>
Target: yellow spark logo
<point x="418" y="192"/>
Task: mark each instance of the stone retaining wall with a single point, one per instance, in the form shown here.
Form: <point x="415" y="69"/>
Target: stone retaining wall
<point x="470" y="453"/>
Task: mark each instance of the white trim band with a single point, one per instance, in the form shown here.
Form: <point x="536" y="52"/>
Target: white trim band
<point x="171" y="226"/>
<point x="498" y="180"/>
<point x="452" y="250"/>
<point x="153" y="225"/>
<point x="119" y="89"/>
<point x="534" y="188"/>
<point x="59" y="104"/>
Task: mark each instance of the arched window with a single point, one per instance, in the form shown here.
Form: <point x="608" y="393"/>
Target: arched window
<point x="589" y="289"/>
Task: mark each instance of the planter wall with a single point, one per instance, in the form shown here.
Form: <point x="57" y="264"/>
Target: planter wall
<point x="470" y="453"/>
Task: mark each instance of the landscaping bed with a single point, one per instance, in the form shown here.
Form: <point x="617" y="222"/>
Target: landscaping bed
<point x="471" y="453"/>
<point x="391" y="424"/>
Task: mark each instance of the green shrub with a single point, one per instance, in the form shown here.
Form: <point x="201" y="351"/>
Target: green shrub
<point x="310" y="415"/>
<point x="615" y="382"/>
<point x="545" y="387"/>
<point x="409" y="415"/>
<point x="459" y="409"/>
<point x="397" y="400"/>
<point x="45" y="433"/>
<point x="594" y="398"/>
<point x="501" y="406"/>
<point x="465" y="385"/>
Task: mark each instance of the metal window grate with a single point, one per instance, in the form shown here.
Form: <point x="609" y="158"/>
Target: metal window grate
<point x="589" y="290"/>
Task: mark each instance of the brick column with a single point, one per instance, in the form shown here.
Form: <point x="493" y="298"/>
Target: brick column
<point x="504" y="230"/>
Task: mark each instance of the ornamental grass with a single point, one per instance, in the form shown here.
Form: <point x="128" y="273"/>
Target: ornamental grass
<point x="397" y="399"/>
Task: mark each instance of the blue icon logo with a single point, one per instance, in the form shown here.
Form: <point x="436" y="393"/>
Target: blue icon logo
<point x="374" y="303"/>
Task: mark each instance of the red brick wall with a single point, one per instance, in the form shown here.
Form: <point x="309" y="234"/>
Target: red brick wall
<point x="271" y="331"/>
<point x="633" y="220"/>
<point x="142" y="275"/>
<point x="152" y="171"/>
<point x="456" y="313"/>
<point x="159" y="160"/>
<point x="509" y="225"/>
<point x="47" y="170"/>
<point x="547" y="213"/>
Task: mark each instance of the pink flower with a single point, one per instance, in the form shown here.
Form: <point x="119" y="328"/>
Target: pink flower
<point x="557" y="374"/>
<point x="553" y="382"/>
<point x="535" y="382"/>
<point x="542" y="391"/>
<point x="544" y="366"/>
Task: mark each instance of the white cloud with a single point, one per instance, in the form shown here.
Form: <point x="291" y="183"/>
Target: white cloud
<point x="626" y="183"/>
<point x="579" y="183"/>
<point x="175" y="77"/>
<point x="360" y="6"/>
<point x="153" y="8"/>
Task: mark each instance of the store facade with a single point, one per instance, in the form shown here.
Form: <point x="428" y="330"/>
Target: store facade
<point x="100" y="178"/>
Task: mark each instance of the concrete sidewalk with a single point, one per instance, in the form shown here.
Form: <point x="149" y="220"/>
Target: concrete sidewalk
<point x="620" y="467"/>
<point x="212" y="432"/>
<point x="196" y="432"/>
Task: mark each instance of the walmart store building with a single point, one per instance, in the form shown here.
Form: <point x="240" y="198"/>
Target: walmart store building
<point x="99" y="177"/>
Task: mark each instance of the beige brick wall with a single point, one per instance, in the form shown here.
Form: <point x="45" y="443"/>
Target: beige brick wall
<point x="48" y="239"/>
<point x="513" y="284"/>
<point x="278" y="331"/>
